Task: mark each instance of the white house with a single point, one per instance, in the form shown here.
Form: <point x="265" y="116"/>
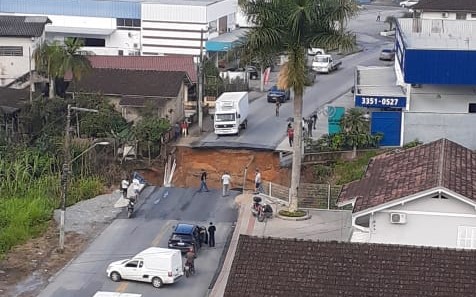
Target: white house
<point x="19" y="37"/>
<point x="132" y="27"/>
<point x="423" y="196"/>
<point x="444" y="9"/>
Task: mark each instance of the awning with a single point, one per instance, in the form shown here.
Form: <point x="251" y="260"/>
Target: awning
<point x="77" y="30"/>
<point x="225" y="41"/>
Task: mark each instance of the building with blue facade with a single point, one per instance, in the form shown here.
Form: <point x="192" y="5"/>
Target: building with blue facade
<point x="435" y="69"/>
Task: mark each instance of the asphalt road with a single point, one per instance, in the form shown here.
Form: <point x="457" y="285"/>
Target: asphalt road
<point x="266" y="131"/>
<point x="151" y="226"/>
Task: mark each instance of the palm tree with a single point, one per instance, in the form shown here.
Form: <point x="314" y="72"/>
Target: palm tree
<point x="54" y="60"/>
<point x="356" y="128"/>
<point x="292" y="26"/>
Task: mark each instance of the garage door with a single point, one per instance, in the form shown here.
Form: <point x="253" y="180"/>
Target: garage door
<point x="389" y="124"/>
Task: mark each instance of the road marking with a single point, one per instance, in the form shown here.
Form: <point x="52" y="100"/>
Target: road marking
<point x="122" y="287"/>
<point x="161" y="234"/>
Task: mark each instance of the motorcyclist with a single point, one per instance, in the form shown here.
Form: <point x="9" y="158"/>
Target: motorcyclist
<point x="190" y="259"/>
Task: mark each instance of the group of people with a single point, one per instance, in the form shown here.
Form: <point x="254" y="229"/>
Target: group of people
<point x="308" y="124"/>
<point x="204" y="239"/>
<point x="226" y="182"/>
<point x="125" y="186"/>
<point x="181" y="128"/>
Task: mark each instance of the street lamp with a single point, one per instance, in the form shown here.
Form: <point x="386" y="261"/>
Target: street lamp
<point x="88" y="149"/>
<point x="67" y="162"/>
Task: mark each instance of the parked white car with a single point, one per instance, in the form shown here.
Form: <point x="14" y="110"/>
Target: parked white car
<point x="408" y="3"/>
<point x="154" y="265"/>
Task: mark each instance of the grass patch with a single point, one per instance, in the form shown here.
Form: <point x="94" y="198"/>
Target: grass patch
<point x="347" y="171"/>
<point x="292" y="214"/>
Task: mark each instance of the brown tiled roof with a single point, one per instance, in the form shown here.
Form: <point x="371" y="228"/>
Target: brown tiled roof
<point x="131" y="82"/>
<point x="445" y="5"/>
<point x="159" y="63"/>
<point x="391" y="176"/>
<point x="286" y="267"/>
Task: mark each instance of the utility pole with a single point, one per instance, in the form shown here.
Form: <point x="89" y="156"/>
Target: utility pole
<point x="30" y="74"/>
<point x="64" y="177"/>
<point x="66" y="170"/>
<point x="200" y="85"/>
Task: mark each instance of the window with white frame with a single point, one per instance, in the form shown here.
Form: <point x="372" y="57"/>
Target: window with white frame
<point x="466" y="237"/>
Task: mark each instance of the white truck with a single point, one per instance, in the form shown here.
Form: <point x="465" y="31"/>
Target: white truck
<point x="154" y="265"/>
<point x="231" y="113"/>
<point x="325" y="64"/>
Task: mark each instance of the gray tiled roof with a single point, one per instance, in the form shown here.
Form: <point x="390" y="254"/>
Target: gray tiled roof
<point x="22" y="26"/>
<point x="274" y="267"/>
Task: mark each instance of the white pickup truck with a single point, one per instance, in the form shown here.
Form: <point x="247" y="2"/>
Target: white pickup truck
<point x="325" y="64"/>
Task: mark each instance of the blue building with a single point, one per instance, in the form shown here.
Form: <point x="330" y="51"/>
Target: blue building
<point x="435" y="70"/>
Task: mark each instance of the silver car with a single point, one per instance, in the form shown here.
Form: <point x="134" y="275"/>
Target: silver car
<point x="387" y="55"/>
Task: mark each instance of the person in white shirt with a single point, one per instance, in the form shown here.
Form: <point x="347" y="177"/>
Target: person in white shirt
<point x="257" y="181"/>
<point x="124" y="187"/>
<point x="226" y="179"/>
<point x="135" y="187"/>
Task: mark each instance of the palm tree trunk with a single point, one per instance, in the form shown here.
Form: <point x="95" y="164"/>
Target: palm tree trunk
<point x="51" y="93"/>
<point x="261" y="85"/>
<point x="354" y="152"/>
<point x="297" y="154"/>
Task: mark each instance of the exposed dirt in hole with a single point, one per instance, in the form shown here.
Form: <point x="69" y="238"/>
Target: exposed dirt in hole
<point x="216" y="161"/>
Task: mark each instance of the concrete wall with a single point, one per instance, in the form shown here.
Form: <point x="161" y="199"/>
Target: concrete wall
<point x="432" y="126"/>
<point x="437" y="226"/>
<point x="16" y="66"/>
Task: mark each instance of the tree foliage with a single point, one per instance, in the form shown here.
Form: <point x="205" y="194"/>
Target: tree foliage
<point x="293" y="26"/>
<point x="151" y="129"/>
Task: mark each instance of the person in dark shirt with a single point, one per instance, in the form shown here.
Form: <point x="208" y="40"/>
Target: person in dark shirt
<point x="211" y="234"/>
<point x="203" y="181"/>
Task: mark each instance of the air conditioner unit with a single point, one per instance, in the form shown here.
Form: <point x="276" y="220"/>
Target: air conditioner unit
<point x="445" y="14"/>
<point x="398" y="218"/>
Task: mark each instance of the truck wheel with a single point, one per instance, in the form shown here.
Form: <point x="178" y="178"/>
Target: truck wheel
<point x="115" y="276"/>
<point x="157" y="282"/>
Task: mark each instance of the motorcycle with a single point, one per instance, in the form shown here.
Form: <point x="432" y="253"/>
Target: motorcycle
<point x="261" y="210"/>
<point x="189" y="270"/>
<point x="130" y="207"/>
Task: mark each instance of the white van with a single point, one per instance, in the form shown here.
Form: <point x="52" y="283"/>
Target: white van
<point x="154" y="265"/>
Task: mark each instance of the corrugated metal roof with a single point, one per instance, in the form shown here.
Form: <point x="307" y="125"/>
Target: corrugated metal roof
<point x="159" y="63"/>
<point x="22" y="26"/>
<point x="445" y="5"/>
<point x="377" y="80"/>
<point x="438" y="34"/>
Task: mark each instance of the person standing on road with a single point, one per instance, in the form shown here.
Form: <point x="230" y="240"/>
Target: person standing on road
<point x="309" y="126"/>
<point x="378" y="17"/>
<point x="176" y="131"/>
<point x="290" y="136"/>
<point x="203" y="181"/>
<point x="257" y="181"/>
<point x="124" y="187"/>
<point x="211" y="235"/>
<point x="314" y="120"/>
<point x="226" y="179"/>
<point x="184" y="128"/>
<point x="278" y="105"/>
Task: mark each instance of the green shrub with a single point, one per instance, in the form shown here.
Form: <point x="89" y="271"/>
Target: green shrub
<point x="294" y="214"/>
<point x="85" y="188"/>
<point x="347" y="171"/>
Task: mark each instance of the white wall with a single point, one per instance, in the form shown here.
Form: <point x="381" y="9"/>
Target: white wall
<point x="80" y="22"/>
<point x="14" y="67"/>
<point x="174" y="13"/>
<point x="220" y="9"/>
<point x="429" y="127"/>
<point x="423" y="229"/>
<point x="441" y="99"/>
<point x="439" y="15"/>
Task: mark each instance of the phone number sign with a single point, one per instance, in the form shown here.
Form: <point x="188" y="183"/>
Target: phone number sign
<point x="380" y="101"/>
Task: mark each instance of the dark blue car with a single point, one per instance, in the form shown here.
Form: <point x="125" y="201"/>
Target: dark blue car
<point x="275" y="94"/>
<point x="184" y="237"/>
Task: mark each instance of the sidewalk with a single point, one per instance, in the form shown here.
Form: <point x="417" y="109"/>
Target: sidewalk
<point x="323" y="225"/>
<point x="322" y="125"/>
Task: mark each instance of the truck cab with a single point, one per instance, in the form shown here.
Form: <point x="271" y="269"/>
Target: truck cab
<point x="231" y="113"/>
<point x="324" y="64"/>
